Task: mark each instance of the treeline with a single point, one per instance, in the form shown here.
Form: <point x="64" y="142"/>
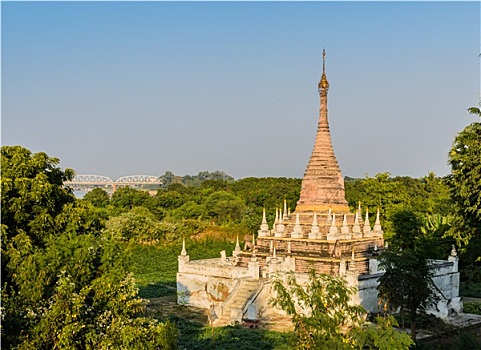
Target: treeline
<point x="240" y="203"/>
<point x="235" y="206"/>
<point x="179" y="210"/>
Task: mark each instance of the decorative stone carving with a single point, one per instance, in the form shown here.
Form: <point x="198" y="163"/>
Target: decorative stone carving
<point x="366" y="230"/>
<point x="297" y="229"/>
<point x="356" y="228"/>
<point x="333" y="232"/>
<point x="314" y="233"/>
<point x="377" y="226"/>
<point x="280" y="228"/>
<point x="264" y="228"/>
<point x="345" y="233"/>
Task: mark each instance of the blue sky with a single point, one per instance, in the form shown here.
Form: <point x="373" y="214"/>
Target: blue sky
<point x="122" y="88"/>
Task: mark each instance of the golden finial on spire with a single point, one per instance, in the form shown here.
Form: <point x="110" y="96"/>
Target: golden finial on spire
<point x="323" y="84"/>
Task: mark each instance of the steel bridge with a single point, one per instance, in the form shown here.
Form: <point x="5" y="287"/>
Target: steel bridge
<point x="88" y="182"/>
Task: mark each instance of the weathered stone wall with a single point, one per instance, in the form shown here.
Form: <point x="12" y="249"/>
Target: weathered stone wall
<point x="203" y="291"/>
<point x="367" y="294"/>
<point x="208" y="283"/>
<point x="202" y="283"/>
<point x="446" y="278"/>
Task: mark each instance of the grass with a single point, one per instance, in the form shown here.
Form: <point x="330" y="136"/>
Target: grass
<point x="155" y="266"/>
<point x="472" y="308"/>
<point x="154" y="269"/>
<point x="194" y="336"/>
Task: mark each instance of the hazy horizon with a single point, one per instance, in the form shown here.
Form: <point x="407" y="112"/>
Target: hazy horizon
<point x="123" y="88"/>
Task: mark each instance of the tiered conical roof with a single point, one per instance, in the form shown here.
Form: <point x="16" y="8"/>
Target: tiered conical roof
<point x="323" y="185"/>
<point x="323" y="234"/>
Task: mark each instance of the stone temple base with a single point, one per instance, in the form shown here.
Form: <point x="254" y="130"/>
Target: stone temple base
<point x="234" y="293"/>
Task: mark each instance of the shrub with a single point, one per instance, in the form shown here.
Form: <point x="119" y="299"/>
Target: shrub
<point x="473" y="308"/>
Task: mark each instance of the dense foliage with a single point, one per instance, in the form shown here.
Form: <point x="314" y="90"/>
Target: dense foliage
<point x="238" y="204"/>
<point x="465" y="186"/>
<point x="32" y="194"/>
<point x="406" y="283"/>
<point x="324" y="318"/>
<point x="64" y="283"/>
<point x="473" y="308"/>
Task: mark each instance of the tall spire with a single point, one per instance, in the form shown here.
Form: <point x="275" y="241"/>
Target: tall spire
<point x="323" y="84"/>
<point x="323" y="186"/>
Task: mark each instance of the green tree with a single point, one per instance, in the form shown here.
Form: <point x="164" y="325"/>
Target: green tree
<point x="190" y="210"/>
<point x="407" y="229"/>
<point x="378" y="192"/>
<point x="216" y="185"/>
<point x="268" y="192"/>
<point x="76" y="294"/>
<point x="406" y="284"/>
<point x="97" y="197"/>
<point x="32" y="193"/>
<point x="64" y="284"/>
<point x="435" y="196"/>
<point x="215" y="175"/>
<point x="127" y="198"/>
<point x="138" y="224"/>
<point x="167" y="179"/>
<point x="324" y="318"/>
<point x="382" y="335"/>
<point x="422" y="196"/>
<point x="170" y="199"/>
<point x="224" y="206"/>
<point x="435" y="241"/>
<point x="464" y="184"/>
<point x="475" y="110"/>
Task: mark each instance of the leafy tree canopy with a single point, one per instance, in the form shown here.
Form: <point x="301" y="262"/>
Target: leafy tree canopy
<point x="32" y="193"/>
<point x="407" y="282"/>
<point x="126" y="198"/>
<point x="324" y="318"/>
<point x="64" y="284"/>
<point x="97" y="197"/>
<point x="422" y="196"/>
<point x="465" y="184"/>
<point x="407" y="229"/>
<point x="76" y="294"/>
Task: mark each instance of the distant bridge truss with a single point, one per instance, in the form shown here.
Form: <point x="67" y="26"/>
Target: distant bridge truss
<point x="89" y="182"/>
<point x="139" y="179"/>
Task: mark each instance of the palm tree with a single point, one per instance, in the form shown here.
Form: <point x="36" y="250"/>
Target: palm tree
<point x="475" y="110"/>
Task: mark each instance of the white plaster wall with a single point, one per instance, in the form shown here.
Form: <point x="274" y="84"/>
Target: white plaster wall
<point x="203" y="283"/>
<point x="203" y="290"/>
<point x="448" y="284"/>
<point x="213" y="267"/>
<point x="367" y="292"/>
<point x="262" y="302"/>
